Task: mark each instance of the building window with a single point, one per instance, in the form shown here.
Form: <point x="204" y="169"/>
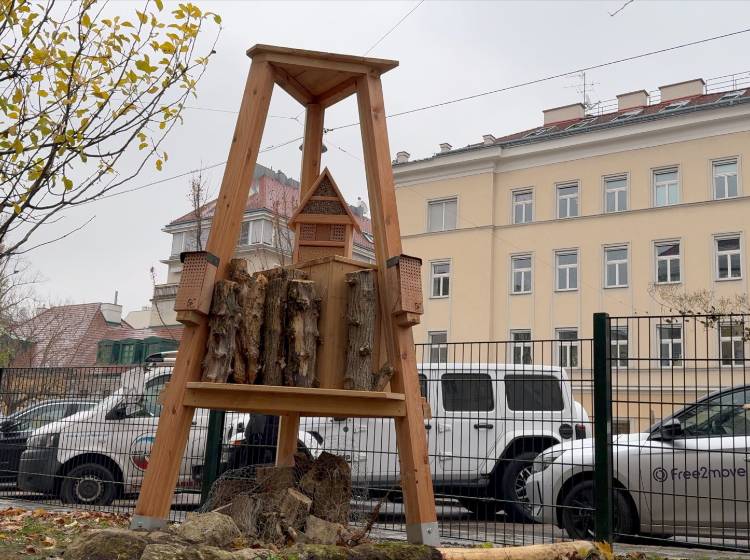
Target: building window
<point x="567" y="200"/>
<point x="616" y="267"/>
<point x="670" y="345"/>
<point x="523" y="207"/>
<point x="668" y="262"/>
<point x="666" y="187"/>
<point x="566" y="263"/>
<point x="521" y="347"/>
<point x="438" y="346"/>
<point x="178" y="242"/>
<point x="619" y="346"/>
<point x="441" y="276"/>
<point x="725" y="179"/>
<point x="256" y="232"/>
<point x="521" y="267"/>
<point x="732" y="343"/>
<point x="441" y="214"/>
<point x="616" y="193"/>
<point x="728" y="258"/>
<point x="568" y="347"/>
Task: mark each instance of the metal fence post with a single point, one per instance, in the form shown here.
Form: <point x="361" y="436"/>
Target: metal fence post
<point x="214" y="439"/>
<point x="603" y="514"/>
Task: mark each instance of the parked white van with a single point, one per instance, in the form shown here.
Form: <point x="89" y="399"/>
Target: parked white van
<point x="489" y="422"/>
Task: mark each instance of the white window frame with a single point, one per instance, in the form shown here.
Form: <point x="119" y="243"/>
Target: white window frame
<point x="627" y="266"/>
<point x="439" y="347"/>
<point x="733" y="361"/>
<point x="523" y="271"/>
<point x="527" y="205"/>
<point x="567" y="268"/>
<point x="521" y="345"/>
<point x="615" y="345"/>
<point x="671" y="361"/>
<point x="738" y="175"/>
<point x="669" y="260"/>
<point x="568" y="198"/>
<point x="182" y="235"/>
<point x="717" y="254"/>
<point x="626" y="188"/>
<point x="441" y="276"/>
<point x="443" y="201"/>
<point x="655" y="185"/>
<point x="565" y="348"/>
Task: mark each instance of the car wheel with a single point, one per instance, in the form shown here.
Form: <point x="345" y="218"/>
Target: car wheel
<point x="516" y="472"/>
<point x="89" y="484"/>
<point x="578" y="512"/>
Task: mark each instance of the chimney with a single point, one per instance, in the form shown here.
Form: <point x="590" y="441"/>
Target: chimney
<point x="402" y="157"/>
<point x="112" y="312"/>
<point x="632" y="99"/>
<point x="488" y="139"/>
<point x="682" y="89"/>
<point x="445" y="148"/>
<point x="566" y="113"/>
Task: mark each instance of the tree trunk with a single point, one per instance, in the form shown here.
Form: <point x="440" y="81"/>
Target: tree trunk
<point x="329" y="484"/>
<point x="303" y="311"/>
<point x="274" y="340"/>
<point x="223" y="321"/>
<point x="361" y="306"/>
<point x="251" y="295"/>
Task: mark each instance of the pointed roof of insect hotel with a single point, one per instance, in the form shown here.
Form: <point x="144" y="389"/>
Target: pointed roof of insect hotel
<point x="324" y="199"/>
<point x="323" y="223"/>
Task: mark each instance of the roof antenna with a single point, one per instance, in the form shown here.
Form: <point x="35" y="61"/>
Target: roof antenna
<point x="115" y="297"/>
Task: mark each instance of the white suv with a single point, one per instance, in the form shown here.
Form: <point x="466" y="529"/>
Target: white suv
<point x="489" y="422"/>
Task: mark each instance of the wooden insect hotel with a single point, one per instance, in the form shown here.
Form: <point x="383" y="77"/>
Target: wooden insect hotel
<point x="326" y="336"/>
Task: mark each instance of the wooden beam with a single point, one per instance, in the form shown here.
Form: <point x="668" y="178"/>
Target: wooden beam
<point x="337" y="93"/>
<point x="159" y="481"/>
<point x="328" y="219"/>
<point x="292" y="86"/>
<point x="312" y="147"/>
<point x="304" y="401"/>
<point x="307" y="58"/>
<point x="419" y="499"/>
<point x="287" y="441"/>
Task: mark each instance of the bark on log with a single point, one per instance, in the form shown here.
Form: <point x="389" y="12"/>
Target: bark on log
<point x="223" y="321"/>
<point x="382" y="377"/>
<point x="303" y="311"/>
<point x="274" y="316"/>
<point x="360" y="316"/>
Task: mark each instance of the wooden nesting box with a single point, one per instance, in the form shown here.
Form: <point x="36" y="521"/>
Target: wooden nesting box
<point x="404" y="276"/>
<point x="196" y="285"/>
<point x="323" y="223"/>
<point x="329" y="274"/>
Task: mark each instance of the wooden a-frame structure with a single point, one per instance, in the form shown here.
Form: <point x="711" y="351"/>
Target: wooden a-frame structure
<point x="317" y="80"/>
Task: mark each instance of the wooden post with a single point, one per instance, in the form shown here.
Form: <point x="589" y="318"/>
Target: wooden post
<point x="416" y="483"/>
<point x="312" y="149"/>
<point x="175" y="421"/>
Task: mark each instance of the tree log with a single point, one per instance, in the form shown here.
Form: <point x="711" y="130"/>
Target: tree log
<point x="223" y="321"/>
<point x="275" y="350"/>
<point x="329" y="484"/>
<point x="303" y="311"/>
<point x="361" y="306"/>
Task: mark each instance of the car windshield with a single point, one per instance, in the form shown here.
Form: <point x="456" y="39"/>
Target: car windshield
<point x="724" y="414"/>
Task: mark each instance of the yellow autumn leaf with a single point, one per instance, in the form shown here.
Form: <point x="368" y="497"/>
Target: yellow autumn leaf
<point x="159" y="164"/>
<point x="142" y="16"/>
<point x="68" y="183"/>
<point x="159" y="4"/>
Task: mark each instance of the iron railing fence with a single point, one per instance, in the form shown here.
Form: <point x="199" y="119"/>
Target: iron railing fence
<point x="681" y="382"/>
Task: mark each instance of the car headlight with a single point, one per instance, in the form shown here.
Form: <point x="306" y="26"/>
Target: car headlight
<point x="43" y="441"/>
<point x="545" y="460"/>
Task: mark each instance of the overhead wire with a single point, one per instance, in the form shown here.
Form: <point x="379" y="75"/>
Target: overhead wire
<point x="392" y="29"/>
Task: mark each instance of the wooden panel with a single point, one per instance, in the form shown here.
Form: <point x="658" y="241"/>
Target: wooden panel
<point x="338" y="93"/>
<point x="160" y="478"/>
<point x="322" y="60"/>
<point x="268" y="399"/>
<point x="411" y="436"/>
<point x="290" y="85"/>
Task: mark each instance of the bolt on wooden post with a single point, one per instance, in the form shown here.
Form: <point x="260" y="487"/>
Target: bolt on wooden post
<point x="324" y="228"/>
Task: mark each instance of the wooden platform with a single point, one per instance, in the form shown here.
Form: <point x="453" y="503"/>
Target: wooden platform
<point x="266" y="399"/>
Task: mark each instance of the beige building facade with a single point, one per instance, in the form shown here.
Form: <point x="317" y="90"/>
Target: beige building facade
<point x="527" y="236"/>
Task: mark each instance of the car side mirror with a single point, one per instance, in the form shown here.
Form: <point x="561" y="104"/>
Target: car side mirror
<point x="669" y="431"/>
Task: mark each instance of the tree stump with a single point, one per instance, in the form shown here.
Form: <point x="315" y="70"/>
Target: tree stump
<point x="361" y="306"/>
<point x="303" y="311"/>
<point x="329" y="484"/>
<point x="223" y="321"/>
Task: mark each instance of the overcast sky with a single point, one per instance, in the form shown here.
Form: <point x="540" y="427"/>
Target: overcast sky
<point x="446" y="50"/>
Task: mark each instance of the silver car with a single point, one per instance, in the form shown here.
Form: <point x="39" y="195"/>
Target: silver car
<point x="687" y="476"/>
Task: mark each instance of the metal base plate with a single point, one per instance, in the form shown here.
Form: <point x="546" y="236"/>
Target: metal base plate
<point x="423" y="533"/>
<point x="145" y="523"/>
